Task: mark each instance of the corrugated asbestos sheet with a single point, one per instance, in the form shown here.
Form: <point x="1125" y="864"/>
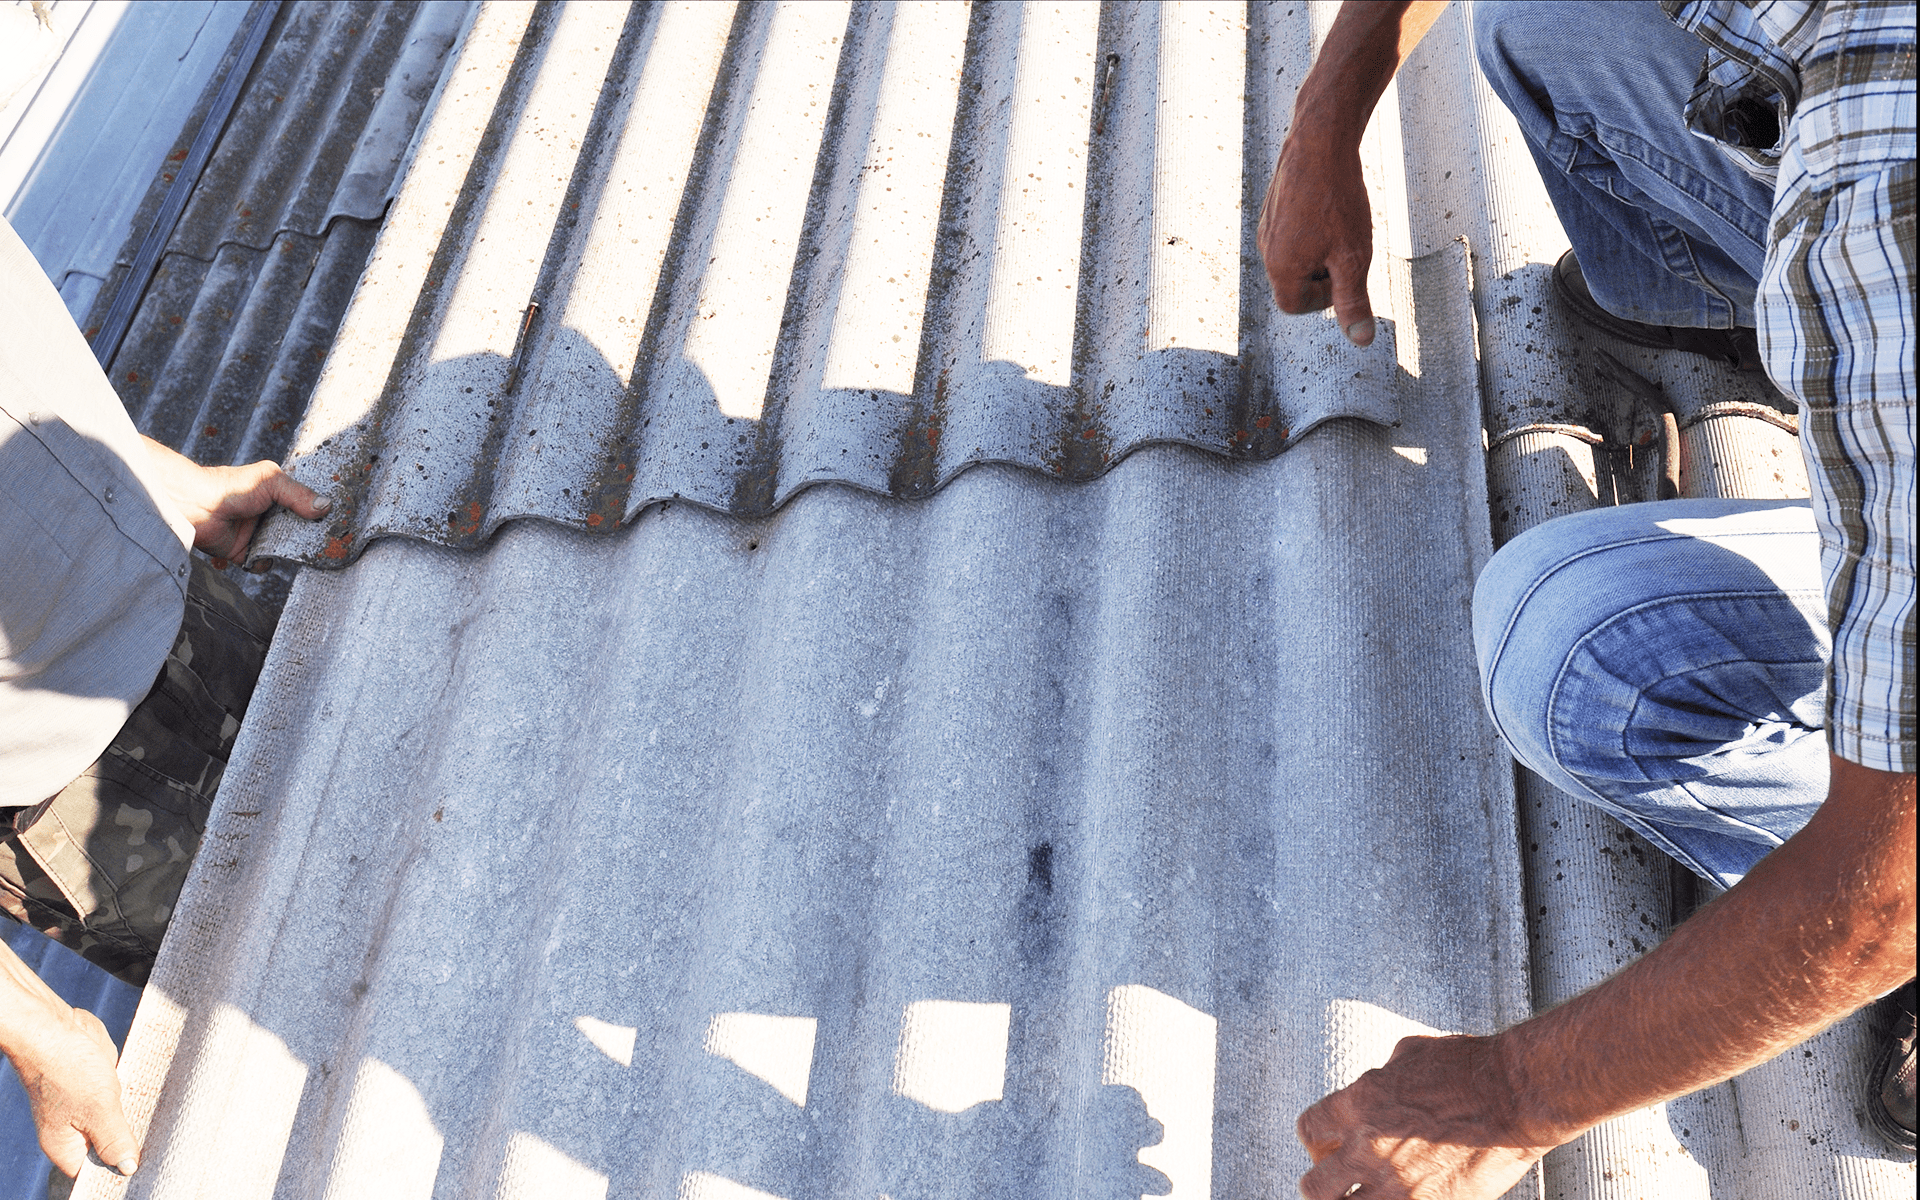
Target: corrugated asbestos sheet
<point x="1022" y="839"/>
<point x="728" y="253"/>
<point x="1029" y="840"/>
<point x="231" y="331"/>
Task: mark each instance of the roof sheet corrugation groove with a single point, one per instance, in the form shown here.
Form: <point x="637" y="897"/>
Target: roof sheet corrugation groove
<point x="231" y="333"/>
<point x="781" y="245"/>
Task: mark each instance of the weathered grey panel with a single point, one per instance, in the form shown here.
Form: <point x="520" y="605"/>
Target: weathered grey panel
<point x="1027" y="840"/>
<point x="728" y="254"/>
<point x="335" y="97"/>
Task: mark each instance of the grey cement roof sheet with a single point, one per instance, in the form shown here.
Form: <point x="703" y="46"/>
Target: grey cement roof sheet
<point x="230" y="334"/>
<point x="759" y="259"/>
<point x="1023" y="839"/>
<point x="931" y="848"/>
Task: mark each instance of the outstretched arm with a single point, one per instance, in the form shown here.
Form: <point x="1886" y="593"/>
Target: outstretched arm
<point x="66" y="1063"/>
<point x="1316" y="233"/>
<point x="1820" y="927"/>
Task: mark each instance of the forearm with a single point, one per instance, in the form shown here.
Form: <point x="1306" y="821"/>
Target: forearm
<point x="1368" y="42"/>
<point x="27" y="1005"/>
<point x="1819" y="928"/>
<point x="1315" y="232"/>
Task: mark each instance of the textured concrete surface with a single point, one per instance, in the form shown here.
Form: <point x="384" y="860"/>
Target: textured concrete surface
<point x="1029" y="839"/>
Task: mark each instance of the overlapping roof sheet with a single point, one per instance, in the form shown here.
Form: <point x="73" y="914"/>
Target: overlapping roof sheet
<point x="933" y="832"/>
<point x="80" y="143"/>
<point x="231" y="331"/>
<point x="728" y="253"/>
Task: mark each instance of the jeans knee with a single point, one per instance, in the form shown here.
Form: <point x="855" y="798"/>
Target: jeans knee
<point x="1515" y="676"/>
<point x="1500" y="25"/>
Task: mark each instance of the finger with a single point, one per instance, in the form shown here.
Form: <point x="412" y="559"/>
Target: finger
<point x="1408" y="1045"/>
<point x="1296" y="295"/>
<point x="1334" y="1178"/>
<point x="289" y="492"/>
<point x="114" y="1143"/>
<point x="1318" y="1131"/>
<point x="67" y="1148"/>
<point x="103" y="1122"/>
<point x="242" y="534"/>
<point x="1350" y="305"/>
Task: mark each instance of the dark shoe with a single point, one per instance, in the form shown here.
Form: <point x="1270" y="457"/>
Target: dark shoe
<point x="1737" y="347"/>
<point x="1890" y="1085"/>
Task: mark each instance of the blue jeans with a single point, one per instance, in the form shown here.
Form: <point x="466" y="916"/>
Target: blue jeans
<point x="1667" y="229"/>
<point x="1667" y="662"/>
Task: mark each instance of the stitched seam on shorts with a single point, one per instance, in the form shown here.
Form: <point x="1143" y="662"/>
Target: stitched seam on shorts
<point x="112" y="897"/>
<point x="121" y="757"/>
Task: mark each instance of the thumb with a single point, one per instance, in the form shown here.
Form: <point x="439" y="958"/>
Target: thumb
<point x="114" y="1143"/>
<point x="288" y="492"/>
<point x="108" y="1132"/>
<point x="1350" y="306"/>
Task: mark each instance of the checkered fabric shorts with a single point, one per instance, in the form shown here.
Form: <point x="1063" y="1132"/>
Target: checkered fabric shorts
<point x="99" y="866"/>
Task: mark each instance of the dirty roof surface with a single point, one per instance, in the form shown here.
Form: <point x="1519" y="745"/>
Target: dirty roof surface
<point x="726" y="254"/>
<point x="1022" y="838"/>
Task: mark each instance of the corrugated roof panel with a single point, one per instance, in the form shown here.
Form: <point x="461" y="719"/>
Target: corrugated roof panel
<point x="222" y="355"/>
<point x="335" y="98"/>
<point x="804" y="244"/>
<point x="986" y="845"/>
<point x="76" y="163"/>
<point x="316" y="135"/>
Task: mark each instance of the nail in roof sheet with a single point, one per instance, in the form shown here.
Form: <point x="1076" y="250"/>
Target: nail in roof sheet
<point x="728" y="253"/>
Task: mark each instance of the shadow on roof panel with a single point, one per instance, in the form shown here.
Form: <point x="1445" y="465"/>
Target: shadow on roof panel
<point x="1018" y="840"/>
<point x="726" y="254"/>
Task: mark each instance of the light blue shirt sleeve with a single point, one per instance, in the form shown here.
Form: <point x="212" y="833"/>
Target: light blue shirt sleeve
<point x="93" y="560"/>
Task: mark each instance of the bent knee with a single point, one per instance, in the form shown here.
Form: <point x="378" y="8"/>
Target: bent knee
<point x="1728" y="580"/>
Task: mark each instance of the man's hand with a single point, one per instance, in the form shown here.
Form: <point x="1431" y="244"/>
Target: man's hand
<point x="1316" y="233"/>
<point x="1817" y="929"/>
<point x="1316" y="230"/>
<point x="223" y="504"/>
<point x="70" y="1081"/>
<point x="65" y="1062"/>
<point x="1440" y="1120"/>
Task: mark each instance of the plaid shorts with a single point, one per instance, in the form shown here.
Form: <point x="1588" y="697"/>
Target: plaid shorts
<point x="98" y="867"/>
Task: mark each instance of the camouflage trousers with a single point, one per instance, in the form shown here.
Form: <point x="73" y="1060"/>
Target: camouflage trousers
<point x="99" y="866"/>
